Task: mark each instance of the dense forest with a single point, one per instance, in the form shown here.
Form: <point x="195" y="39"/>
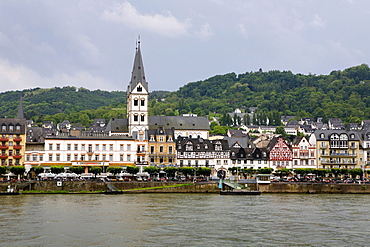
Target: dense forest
<point x="342" y="94"/>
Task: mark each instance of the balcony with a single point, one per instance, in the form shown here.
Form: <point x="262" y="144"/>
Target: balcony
<point x="3" y="156"/>
<point x="17" y="147"/>
<point x="17" y="156"/>
<point x="338" y="162"/>
<point x="2" y="147"/>
<point x="141" y="163"/>
<point x="4" y="139"/>
<point x="338" y="155"/>
<point x="17" y="139"/>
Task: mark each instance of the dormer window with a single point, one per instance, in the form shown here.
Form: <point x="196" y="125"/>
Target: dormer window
<point x="139" y="89"/>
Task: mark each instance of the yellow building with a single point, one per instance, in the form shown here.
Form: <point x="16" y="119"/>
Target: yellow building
<point x="162" y="149"/>
<point x="12" y="141"/>
<point x="338" y="149"/>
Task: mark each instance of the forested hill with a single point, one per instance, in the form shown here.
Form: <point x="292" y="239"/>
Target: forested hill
<point x="37" y="101"/>
<point x="343" y="94"/>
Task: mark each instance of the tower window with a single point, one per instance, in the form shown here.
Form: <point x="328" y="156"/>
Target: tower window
<point x="135" y="118"/>
<point x="142" y="102"/>
<point x="139" y="89"/>
<point x="136" y="102"/>
<point x="142" y="118"/>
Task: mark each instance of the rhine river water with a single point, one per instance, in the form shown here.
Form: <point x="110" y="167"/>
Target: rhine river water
<point x="185" y="220"/>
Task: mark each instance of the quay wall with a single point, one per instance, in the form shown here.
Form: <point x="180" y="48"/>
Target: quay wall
<point x="96" y="186"/>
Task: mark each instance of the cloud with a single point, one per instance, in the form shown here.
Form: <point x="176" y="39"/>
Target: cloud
<point x="19" y="77"/>
<point x="205" y="31"/>
<point x="164" y="24"/>
<point x="317" y="21"/>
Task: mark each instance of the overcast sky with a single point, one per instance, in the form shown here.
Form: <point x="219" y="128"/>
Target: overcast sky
<point x="91" y="44"/>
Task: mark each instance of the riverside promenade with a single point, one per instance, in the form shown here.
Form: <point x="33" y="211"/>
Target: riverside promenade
<point x="99" y="186"/>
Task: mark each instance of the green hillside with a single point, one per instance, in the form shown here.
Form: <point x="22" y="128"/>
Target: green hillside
<point x="343" y="94"/>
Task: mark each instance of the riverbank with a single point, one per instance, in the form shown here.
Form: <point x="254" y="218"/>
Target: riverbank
<point x="91" y="187"/>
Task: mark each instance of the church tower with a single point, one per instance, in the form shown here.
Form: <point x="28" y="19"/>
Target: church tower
<point x="137" y="98"/>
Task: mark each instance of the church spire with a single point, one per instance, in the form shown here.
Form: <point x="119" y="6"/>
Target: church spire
<point x="138" y="74"/>
<point x="20" y="109"/>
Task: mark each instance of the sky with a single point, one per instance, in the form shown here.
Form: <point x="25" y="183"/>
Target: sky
<point x="91" y="43"/>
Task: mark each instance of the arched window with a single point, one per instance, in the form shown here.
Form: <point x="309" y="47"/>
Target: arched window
<point x="142" y="118"/>
<point x="142" y="102"/>
<point x="334" y="140"/>
<point x="343" y="143"/>
<point x="136" y="118"/>
<point x="136" y="102"/>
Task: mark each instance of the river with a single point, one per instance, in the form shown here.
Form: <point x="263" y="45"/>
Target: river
<point x="185" y="220"/>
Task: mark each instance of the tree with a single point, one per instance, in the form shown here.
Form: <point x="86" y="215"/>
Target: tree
<point x="96" y="170"/>
<point x="114" y="170"/>
<point x="187" y="171"/>
<point x="204" y="171"/>
<point x="152" y="170"/>
<point x="37" y="170"/>
<point x="132" y="169"/>
<point x="171" y="171"/>
<point x="77" y="169"/>
<point x="3" y="170"/>
<point x="57" y="169"/>
<point x="355" y="172"/>
<point x="18" y="170"/>
<point x="265" y="170"/>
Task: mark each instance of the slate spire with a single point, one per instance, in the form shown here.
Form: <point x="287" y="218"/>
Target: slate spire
<point x="138" y="74"/>
<point x="20" y="109"/>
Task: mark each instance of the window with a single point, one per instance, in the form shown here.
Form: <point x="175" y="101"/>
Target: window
<point x="170" y="149"/>
<point x="11" y="128"/>
<point x="121" y="147"/>
<point x="128" y="157"/>
<point x="104" y="147"/>
<point x="151" y="160"/>
<point x="136" y="118"/>
<point x="10" y="162"/>
<point x="142" y="118"/>
<point x="50" y="157"/>
<point x="69" y="147"/>
<point x="76" y="147"/>
<point x="104" y="157"/>
<point x="96" y="147"/>
<point x="76" y="157"/>
<point x="121" y="157"/>
<point x="110" y="147"/>
<point x="82" y="157"/>
<point x="68" y="157"/>
<point x="83" y="147"/>
<point x="50" y="146"/>
<point x="34" y="157"/>
<point x="161" y="149"/>
<point x="139" y="89"/>
<point x="136" y="102"/>
<point x="152" y="149"/>
<point x="58" y="157"/>
<point x="142" y="102"/>
<point x="90" y="148"/>
<point x="17" y="127"/>
<point x="97" y="157"/>
<point x="111" y="157"/>
<point x="58" y="146"/>
<point x="129" y="147"/>
<point x="41" y="157"/>
<point x="161" y="160"/>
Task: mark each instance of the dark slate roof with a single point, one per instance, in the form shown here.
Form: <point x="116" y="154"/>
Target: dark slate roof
<point x="117" y="125"/>
<point x="237" y="133"/>
<point x="179" y="122"/>
<point x="161" y="131"/>
<point x="35" y="135"/>
<point x="138" y="74"/>
<point x="297" y="140"/>
<point x="242" y="141"/>
<point x="14" y="122"/>
<point x="327" y="133"/>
